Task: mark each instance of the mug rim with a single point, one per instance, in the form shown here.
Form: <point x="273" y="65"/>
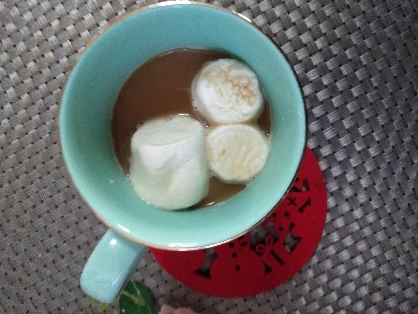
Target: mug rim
<point x="118" y="20"/>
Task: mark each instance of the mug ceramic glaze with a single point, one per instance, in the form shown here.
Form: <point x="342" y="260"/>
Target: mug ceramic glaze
<point x="85" y="134"/>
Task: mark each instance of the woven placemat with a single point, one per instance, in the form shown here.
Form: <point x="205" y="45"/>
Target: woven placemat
<point x="357" y="62"/>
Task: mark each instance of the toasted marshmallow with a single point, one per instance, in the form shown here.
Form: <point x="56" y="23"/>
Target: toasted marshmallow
<point x="169" y="163"/>
<point x="226" y="91"/>
<point x="236" y="152"/>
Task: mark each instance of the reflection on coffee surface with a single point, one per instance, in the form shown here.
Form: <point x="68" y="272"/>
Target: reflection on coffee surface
<point x="172" y="85"/>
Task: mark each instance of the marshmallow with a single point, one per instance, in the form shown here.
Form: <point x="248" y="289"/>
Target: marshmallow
<point x="236" y="152"/>
<point x="226" y="91"/>
<point x="169" y="163"/>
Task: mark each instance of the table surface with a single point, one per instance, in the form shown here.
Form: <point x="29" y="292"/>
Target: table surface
<point x="357" y="62"/>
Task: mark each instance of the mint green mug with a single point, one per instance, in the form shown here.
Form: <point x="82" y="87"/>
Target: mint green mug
<point x="85" y="134"/>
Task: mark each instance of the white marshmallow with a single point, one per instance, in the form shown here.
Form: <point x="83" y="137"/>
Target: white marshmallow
<point x="226" y="91"/>
<point x="169" y="163"/>
<point x="236" y="152"/>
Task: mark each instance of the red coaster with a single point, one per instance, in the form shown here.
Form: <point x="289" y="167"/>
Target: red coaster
<point x="266" y="256"/>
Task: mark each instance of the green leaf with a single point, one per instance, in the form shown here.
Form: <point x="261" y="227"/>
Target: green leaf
<point x="135" y="299"/>
<point x="99" y="305"/>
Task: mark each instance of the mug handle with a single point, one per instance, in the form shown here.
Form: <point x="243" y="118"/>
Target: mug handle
<point x="110" y="266"/>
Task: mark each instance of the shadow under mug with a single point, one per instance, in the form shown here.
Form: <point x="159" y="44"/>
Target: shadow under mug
<point x="85" y="136"/>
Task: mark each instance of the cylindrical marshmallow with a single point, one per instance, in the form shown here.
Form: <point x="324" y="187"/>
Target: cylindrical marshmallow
<point x="236" y="152"/>
<point x="226" y="91"/>
<point x="169" y="163"/>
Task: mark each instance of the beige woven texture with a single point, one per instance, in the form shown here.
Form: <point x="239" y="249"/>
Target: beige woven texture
<point x="357" y="64"/>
